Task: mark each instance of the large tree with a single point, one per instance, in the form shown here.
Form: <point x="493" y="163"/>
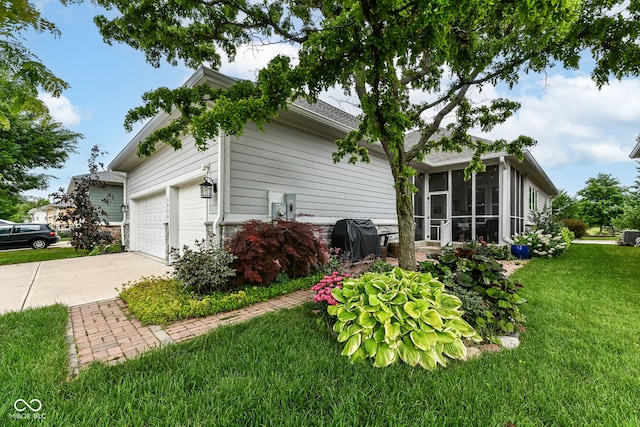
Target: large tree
<point x="601" y="200"/>
<point x="31" y="142"/>
<point x="411" y="63"/>
<point x="20" y="69"/>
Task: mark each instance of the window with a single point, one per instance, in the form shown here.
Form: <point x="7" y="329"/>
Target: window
<point x="26" y="228"/>
<point x="517" y="202"/>
<point x="533" y="199"/>
<point x="5" y="229"/>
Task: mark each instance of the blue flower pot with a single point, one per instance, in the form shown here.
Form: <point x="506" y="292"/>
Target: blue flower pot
<point x="520" y="251"/>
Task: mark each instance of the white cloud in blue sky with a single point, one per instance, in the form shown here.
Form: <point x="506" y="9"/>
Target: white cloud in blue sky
<point x="581" y="131"/>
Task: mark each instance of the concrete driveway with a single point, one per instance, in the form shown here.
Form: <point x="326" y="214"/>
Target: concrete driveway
<point x="72" y="281"/>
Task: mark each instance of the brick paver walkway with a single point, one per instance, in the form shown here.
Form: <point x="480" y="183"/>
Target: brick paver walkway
<point x="101" y="331"/>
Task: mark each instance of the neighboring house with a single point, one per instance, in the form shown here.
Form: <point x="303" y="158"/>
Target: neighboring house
<point x="635" y="154"/>
<point x="287" y="170"/>
<point x="49" y="214"/>
<point x="113" y="191"/>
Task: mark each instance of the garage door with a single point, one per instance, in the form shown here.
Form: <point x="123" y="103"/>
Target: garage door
<point x="191" y="216"/>
<point x="149" y="230"/>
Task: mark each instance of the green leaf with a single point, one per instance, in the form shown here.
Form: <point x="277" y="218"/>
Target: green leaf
<point x="408" y="353"/>
<point x="366" y="320"/>
<point x="373" y="300"/>
<point x="432" y="318"/>
<point x="346" y="316"/>
<point x="391" y="332"/>
<point x="428" y="359"/>
<point x="411" y="308"/>
<point x="423" y="340"/>
<point x="445" y="337"/>
<point x="371" y="346"/>
<point x="333" y="310"/>
<point x="352" y="345"/>
<point x="385" y="356"/>
<point x="400" y="298"/>
<point x="504" y="304"/>
<point x="455" y="350"/>
<point x="382" y="316"/>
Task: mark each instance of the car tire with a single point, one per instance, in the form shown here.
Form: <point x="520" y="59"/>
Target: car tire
<point x="39" y="244"/>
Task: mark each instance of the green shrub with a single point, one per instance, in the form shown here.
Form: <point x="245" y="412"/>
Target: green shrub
<point x="399" y="315"/>
<point x="481" y="276"/>
<point x="567" y="236"/>
<point x="205" y="270"/>
<point x="491" y="250"/>
<point x="577" y="226"/>
<point x="161" y="300"/>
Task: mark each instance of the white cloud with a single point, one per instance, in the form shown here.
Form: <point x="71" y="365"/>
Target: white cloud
<point x="574" y="122"/>
<point x="62" y="110"/>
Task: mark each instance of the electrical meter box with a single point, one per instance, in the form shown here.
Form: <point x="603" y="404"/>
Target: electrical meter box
<point x="290" y="206"/>
<point x="278" y="211"/>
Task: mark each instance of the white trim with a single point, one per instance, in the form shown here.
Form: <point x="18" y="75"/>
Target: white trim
<point x="175" y="182"/>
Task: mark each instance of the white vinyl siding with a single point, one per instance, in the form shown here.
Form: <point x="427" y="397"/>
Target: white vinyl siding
<point x="167" y="164"/>
<point x="289" y="160"/>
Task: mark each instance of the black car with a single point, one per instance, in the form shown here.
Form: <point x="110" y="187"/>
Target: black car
<point x="37" y="236"/>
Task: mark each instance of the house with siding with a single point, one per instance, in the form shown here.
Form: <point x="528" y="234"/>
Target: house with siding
<point x="635" y="153"/>
<point x="287" y="171"/>
<point x="108" y="197"/>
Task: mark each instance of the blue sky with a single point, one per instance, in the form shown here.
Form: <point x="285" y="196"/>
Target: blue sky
<point x="580" y="131"/>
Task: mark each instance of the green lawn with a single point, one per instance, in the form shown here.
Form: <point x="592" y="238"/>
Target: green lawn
<point x="577" y="366"/>
<point x="34" y="255"/>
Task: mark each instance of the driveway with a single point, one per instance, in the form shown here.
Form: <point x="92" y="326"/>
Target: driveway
<point x="72" y="281"/>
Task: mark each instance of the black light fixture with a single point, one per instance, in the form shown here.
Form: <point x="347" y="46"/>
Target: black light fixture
<point x="207" y="188"/>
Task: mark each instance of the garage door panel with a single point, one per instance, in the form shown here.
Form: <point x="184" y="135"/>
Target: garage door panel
<point x="150" y="228"/>
<point x="191" y="216"/>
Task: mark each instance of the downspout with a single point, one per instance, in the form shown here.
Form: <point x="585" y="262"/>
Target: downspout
<point x="218" y="221"/>
<point x="505" y="202"/>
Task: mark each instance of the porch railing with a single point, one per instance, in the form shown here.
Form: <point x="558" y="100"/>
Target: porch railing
<point x="446" y="233"/>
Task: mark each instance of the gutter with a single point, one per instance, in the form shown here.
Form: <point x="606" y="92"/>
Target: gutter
<point x="217" y="222"/>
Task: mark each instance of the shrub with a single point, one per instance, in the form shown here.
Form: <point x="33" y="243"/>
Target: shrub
<point x="399" y="315"/>
<point x="567" y="236"/>
<point x="204" y="270"/>
<point x="162" y="300"/>
<point x="265" y="249"/>
<point x="86" y="219"/>
<point x="490" y="250"/>
<point x="543" y="245"/>
<point x="577" y="226"/>
<point x="468" y="276"/>
<point x="324" y="298"/>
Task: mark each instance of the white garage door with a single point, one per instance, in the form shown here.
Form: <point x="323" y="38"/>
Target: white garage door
<point x="149" y="230"/>
<point x="191" y="216"/>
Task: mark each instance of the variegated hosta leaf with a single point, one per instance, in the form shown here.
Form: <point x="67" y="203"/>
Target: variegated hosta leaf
<point x="407" y="352"/>
<point x="455" y="350"/>
<point x="371" y="346"/>
<point x="423" y="340"/>
<point x="432" y="318"/>
<point x="353" y="343"/>
<point x="385" y="356"/>
<point x="366" y="320"/>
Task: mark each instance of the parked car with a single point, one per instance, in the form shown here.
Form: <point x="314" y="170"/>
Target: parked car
<point x="37" y="236"/>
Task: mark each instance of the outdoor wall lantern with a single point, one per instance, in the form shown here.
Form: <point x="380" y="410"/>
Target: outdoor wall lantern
<point x="207" y="188"/>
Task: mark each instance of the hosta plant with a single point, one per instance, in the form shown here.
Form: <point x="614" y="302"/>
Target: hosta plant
<point x="399" y="315"/>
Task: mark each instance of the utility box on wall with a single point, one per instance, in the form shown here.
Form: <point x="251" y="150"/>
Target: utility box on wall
<point x="278" y="211"/>
<point x="283" y="206"/>
<point x="290" y="205"/>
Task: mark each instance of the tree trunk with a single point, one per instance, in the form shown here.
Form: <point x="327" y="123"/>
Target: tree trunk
<point x="406" y="225"/>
